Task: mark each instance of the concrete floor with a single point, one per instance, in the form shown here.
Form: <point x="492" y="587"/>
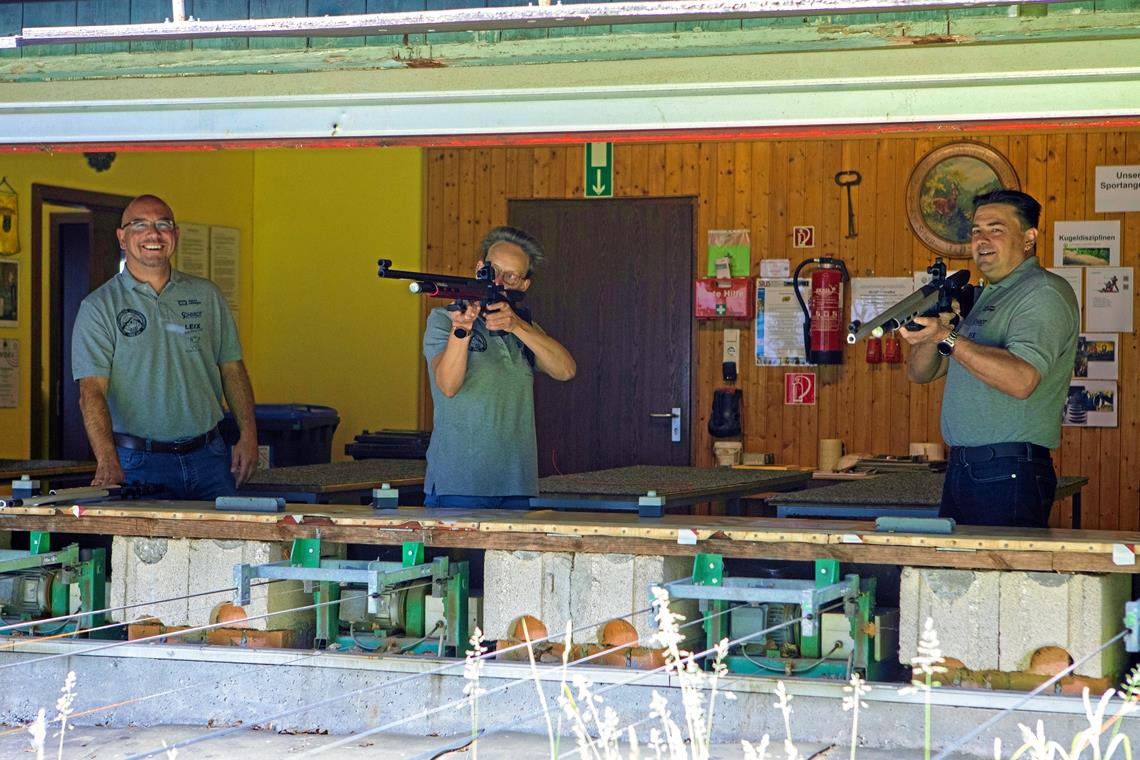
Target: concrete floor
<point x="93" y="743"/>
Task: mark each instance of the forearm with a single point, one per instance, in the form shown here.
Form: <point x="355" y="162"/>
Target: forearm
<point x="925" y="364"/>
<point x="997" y="368"/>
<point x="97" y="420"/>
<point x="450" y="365"/>
<point x="239" y="397"/>
<point x="550" y="356"/>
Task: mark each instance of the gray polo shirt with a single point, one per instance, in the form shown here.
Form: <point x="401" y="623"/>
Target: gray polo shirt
<point x="160" y="351"/>
<point x="1033" y="313"/>
<point x="483" y="440"/>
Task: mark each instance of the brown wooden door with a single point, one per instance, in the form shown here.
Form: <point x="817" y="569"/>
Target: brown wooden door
<point x="617" y="291"/>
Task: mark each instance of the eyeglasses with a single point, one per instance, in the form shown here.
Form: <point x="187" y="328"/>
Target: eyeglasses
<point x="510" y="279"/>
<point x="142" y="225"/>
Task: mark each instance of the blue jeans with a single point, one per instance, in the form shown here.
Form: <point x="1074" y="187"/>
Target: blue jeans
<point x="449" y="501"/>
<point x="201" y="475"/>
<point x="1014" y="490"/>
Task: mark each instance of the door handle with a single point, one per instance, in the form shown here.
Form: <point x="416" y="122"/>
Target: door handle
<point x="675" y="416"/>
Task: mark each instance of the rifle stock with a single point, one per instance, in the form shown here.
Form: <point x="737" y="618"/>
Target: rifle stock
<point x="928" y="301"/>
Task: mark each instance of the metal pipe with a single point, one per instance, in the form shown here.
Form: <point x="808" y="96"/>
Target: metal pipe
<point x="479" y="19"/>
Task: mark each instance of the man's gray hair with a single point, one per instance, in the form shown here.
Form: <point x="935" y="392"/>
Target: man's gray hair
<point x="523" y="240"/>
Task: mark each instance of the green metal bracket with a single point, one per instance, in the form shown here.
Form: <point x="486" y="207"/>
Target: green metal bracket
<point x="306" y="552"/>
<point x="328" y="615"/>
<point x="39" y="542"/>
<point x="456" y="610"/>
<point x="826" y="573"/>
<point x="412" y="554"/>
<point x="93" y="592"/>
<point x="708" y="570"/>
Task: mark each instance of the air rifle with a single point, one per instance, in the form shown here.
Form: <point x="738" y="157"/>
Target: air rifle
<point x="930" y="300"/>
<point x="462" y="290"/>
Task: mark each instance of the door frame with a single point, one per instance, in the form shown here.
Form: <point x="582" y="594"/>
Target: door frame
<point x="46" y="257"/>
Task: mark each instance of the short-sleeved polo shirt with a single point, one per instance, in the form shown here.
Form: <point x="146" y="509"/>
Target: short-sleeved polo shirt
<point x="160" y="351"/>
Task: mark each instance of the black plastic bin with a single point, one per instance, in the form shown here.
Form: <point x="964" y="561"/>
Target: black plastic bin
<point x="294" y="433"/>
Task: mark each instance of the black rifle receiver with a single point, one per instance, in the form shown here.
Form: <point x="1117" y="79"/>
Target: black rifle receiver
<point x="462" y="290"/>
<point x="930" y="300"/>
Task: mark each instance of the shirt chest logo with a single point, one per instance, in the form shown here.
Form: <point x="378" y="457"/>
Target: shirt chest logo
<point x="131" y="322"/>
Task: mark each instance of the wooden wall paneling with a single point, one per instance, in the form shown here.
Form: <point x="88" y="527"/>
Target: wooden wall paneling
<point x="778" y="201"/>
<point x="499" y="165"/>
<point x="879" y="255"/>
<point x="756" y="385"/>
<point x="865" y="162"/>
<point x="450" y="221"/>
<point x="815" y="184"/>
<point x="541" y="170"/>
<point x="657" y="168"/>
<point x="469" y="236"/>
<point x="1129" y="388"/>
<point x="1077" y="179"/>
<point x="920" y="397"/>
<point x="833" y="235"/>
<point x="706" y="220"/>
<point x="900" y="265"/>
<point x="829" y="234"/>
<point x="639" y="169"/>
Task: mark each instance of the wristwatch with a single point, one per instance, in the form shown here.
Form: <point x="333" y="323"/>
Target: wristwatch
<point x="946" y="345"/>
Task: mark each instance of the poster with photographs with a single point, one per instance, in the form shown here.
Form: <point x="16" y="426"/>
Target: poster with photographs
<point x="1108" y="299"/>
<point x="1091" y="403"/>
<point x="9" y="293"/>
<point x="1097" y="357"/>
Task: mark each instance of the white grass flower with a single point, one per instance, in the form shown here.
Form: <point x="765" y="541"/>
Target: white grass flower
<point x="855" y="690"/>
<point x="38" y="730"/>
<point x="755" y="753"/>
<point x="472" y="669"/>
<point x="63" y="706"/>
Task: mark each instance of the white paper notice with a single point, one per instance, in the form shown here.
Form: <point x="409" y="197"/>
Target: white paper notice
<point x="775" y="269"/>
<point x="779" y="324"/>
<point x="1098" y="357"/>
<point x="225" y="248"/>
<point x="1108" y="299"/>
<point x="871" y="296"/>
<point x="1117" y="188"/>
<point x="1073" y="275"/>
<point x="193" y="253"/>
<point x="9" y="372"/>
<point x="1086" y="244"/>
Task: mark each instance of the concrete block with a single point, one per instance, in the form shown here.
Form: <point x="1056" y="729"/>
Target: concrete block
<point x="525" y="583"/>
<point x="1076" y="612"/>
<point x="650" y="570"/>
<point x="964" y="606"/>
<point x="146" y="570"/>
<point x="585" y="588"/>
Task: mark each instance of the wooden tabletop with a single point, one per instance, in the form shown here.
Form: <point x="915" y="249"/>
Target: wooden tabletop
<point x="42" y="468"/>
<point x="969" y="547"/>
<point x="339" y="476"/>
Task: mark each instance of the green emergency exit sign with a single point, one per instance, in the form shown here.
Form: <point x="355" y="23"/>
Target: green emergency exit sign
<point x="599" y="170"/>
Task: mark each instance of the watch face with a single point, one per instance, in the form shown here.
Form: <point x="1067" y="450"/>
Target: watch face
<point x="946" y="345"/>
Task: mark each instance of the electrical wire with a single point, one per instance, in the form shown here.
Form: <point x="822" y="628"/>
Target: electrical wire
<point x="357" y="692"/>
<point x="1005" y="711"/>
<point x="538" y="713"/>
<point x="792" y="671"/>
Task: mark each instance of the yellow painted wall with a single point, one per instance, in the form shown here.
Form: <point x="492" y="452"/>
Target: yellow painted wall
<point x="327" y="330"/>
<point x="312" y="322"/>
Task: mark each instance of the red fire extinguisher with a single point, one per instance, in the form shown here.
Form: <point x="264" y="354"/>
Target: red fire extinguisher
<point x="823" y="323"/>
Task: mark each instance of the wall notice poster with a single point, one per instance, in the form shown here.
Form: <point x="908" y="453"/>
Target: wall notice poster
<point x="734" y="245"/>
<point x="9" y="293"/>
<point x="779" y="325"/>
<point x="1108" y="299"/>
<point x="1117" y="189"/>
<point x="1086" y="244"/>
<point x="871" y="296"/>
<point x="9" y="373"/>
<point x="1091" y="403"/>
<point x="225" y="246"/>
<point x="1097" y="357"/>
<point x="193" y="253"/>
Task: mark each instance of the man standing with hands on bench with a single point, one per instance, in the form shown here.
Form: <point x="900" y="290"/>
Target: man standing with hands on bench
<point x="1007" y="366"/>
<point x="154" y="351"/>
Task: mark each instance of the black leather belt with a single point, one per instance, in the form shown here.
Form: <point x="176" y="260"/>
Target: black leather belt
<point x="976" y="454"/>
<point x="185" y="446"/>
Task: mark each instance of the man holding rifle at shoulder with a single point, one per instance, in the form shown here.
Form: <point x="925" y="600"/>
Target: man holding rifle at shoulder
<point x="1008" y="366"/>
<point x="481" y="364"/>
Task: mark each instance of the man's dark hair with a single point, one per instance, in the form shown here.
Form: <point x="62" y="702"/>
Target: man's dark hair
<point x="523" y="240"/>
<point x="1026" y="207"/>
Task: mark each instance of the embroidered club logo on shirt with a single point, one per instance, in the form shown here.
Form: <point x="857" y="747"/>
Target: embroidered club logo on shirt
<point x="131" y="322"/>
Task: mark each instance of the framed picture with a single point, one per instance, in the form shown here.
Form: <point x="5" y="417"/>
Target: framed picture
<point x="941" y="190"/>
<point x="9" y="293"/>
